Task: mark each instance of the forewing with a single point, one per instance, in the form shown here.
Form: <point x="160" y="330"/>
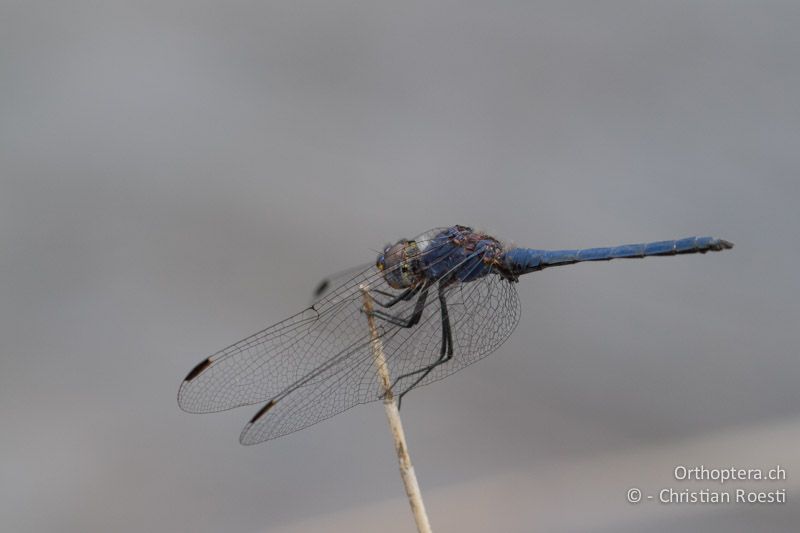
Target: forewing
<point x="261" y="366"/>
<point x="298" y="351"/>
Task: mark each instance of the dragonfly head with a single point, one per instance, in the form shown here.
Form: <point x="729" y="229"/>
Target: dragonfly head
<point x="399" y="263"/>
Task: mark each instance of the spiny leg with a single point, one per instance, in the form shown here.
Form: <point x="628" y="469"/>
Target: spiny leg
<point x="419" y="308"/>
<point x="445" y="352"/>
<point x="415" y="317"/>
<point x="403" y="296"/>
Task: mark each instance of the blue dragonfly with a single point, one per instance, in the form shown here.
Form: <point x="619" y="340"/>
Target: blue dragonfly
<point x="444" y="300"/>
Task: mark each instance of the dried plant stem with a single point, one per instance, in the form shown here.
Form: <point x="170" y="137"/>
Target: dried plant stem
<point x="393" y="415"/>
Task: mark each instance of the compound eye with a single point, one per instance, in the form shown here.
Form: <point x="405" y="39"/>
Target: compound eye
<point x="393" y="255"/>
<point x="397" y="268"/>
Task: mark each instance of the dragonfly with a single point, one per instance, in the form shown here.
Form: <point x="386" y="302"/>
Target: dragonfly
<point x="443" y="300"/>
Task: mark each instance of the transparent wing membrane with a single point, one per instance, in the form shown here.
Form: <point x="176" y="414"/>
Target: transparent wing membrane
<point x="482" y="314"/>
<point x="319" y="362"/>
<point x="266" y="363"/>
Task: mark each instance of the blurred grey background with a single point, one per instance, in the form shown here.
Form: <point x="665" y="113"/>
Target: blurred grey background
<point x="177" y="175"/>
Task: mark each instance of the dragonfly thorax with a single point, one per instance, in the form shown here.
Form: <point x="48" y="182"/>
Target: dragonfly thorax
<point x="400" y="264"/>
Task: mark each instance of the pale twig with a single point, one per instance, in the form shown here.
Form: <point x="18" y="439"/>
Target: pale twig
<point x="396" y="425"/>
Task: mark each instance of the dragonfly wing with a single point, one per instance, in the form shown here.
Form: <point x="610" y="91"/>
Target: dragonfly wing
<point x="266" y="363"/>
<point x="483" y="314"/>
<point x="308" y="404"/>
<point x="305" y="348"/>
<point x="336" y="385"/>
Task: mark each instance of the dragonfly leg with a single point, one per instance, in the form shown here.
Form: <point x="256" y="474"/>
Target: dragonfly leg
<point x="415" y="317"/>
<point x="403" y="296"/>
<point x="445" y="353"/>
